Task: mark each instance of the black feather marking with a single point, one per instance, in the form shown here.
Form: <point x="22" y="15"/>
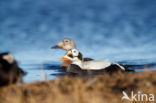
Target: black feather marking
<point x="80" y="56"/>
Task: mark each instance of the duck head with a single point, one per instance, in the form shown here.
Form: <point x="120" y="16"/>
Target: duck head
<point x="73" y="55"/>
<point x="65" y="44"/>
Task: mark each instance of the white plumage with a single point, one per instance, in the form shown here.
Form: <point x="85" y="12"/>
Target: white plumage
<point x="76" y="57"/>
<point x="95" y="65"/>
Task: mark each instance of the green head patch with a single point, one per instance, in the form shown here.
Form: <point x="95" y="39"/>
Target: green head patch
<point x="80" y="56"/>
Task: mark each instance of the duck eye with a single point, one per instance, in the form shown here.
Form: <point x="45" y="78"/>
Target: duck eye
<point x="66" y="41"/>
<point x="74" y="51"/>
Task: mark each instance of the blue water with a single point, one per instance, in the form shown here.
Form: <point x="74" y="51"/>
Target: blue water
<point x="116" y="30"/>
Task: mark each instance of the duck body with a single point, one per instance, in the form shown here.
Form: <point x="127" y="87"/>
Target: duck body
<point x="75" y="69"/>
<point x="101" y="65"/>
<point x="95" y="65"/>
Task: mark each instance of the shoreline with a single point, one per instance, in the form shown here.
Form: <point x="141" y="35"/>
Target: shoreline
<point x="68" y="89"/>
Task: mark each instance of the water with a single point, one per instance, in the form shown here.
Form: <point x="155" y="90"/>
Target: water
<point x="119" y="31"/>
<point x="36" y="72"/>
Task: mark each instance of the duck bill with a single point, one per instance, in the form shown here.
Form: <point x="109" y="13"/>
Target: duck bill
<point x="64" y="59"/>
<point x="55" y="47"/>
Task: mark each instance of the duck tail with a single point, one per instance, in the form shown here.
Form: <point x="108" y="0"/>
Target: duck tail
<point x="124" y="68"/>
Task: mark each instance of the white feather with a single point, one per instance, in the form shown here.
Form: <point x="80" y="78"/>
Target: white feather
<point x="95" y="65"/>
<point x="119" y="66"/>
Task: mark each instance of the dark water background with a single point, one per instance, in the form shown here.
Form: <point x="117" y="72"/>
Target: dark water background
<point x="117" y="30"/>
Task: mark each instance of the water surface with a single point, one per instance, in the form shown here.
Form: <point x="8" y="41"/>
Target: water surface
<point x="115" y="30"/>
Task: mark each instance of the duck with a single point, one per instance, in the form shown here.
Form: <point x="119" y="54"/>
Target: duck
<point x="67" y="44"/>
<point x="10" y="72"/>
<point x="79" y="65"/>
